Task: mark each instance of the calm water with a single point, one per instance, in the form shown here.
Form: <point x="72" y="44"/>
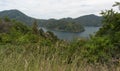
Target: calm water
<point x="70" y="36"/>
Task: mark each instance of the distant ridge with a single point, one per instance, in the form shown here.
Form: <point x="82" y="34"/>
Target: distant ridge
<point x="17" y="15"/>
<point x="87" y="20"/>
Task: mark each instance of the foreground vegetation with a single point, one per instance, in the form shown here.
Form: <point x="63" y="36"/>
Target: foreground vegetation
<point x="34" y="57"/>
<point x="25" y="48"/>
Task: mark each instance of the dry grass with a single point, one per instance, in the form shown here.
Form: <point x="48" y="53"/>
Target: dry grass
<point x="27" y="58"/>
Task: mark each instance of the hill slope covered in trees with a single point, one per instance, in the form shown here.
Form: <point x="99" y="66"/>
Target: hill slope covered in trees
<point x="64" y="24"/>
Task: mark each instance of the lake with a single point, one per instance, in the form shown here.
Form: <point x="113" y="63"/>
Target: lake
<point x="70" y="36"/>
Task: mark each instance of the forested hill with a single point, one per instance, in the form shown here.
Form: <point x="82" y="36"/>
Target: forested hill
<point x="87" y="20"/>
<point x="17" y="15"/>
<point x="64" y="24"/>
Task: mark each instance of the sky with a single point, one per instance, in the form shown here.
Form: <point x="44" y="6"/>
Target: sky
<point x="46" y="9"/>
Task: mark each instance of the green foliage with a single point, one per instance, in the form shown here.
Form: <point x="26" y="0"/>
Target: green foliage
<point x="111" y="26"/>
<point x="20" y="27"/>
<point x="117" y="4"/>
<point x="7" y="19"/>
<point x="35" y="28"/>
<point x="42" y="33"/>
<point x="28" y="38"/>
<point x="5" y="26"/>
<point x="16" y="32"/>
<point x="110" y="23"/>
<point x="51" y="36"/>
<point x="98" y="49"/>
<point x="4" y="38"/>
<point x="110" y="33"/>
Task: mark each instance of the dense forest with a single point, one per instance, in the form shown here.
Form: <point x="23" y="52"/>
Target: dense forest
<point x="26" y="48"/>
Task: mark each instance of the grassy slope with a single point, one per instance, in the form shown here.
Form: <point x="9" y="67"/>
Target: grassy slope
<point x="39" y="57"/>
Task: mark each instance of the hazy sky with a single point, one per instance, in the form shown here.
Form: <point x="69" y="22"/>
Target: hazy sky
<point x="45" y="9"/>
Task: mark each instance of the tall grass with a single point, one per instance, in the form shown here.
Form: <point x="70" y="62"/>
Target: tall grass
<point x="39" y="57"/>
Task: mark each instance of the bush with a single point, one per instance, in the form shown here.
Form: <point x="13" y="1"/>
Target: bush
<point x="6" y="19"/>
<point x="98" y="49"/>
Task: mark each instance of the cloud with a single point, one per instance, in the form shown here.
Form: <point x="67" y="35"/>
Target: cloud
<point x="57" y="8"/>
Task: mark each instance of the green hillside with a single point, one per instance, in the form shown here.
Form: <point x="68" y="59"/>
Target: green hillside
<point x="64" y="24"/>
<point x="89" y="20"/>
<point x="17" y="15"/>
<point x="61" y="25"/>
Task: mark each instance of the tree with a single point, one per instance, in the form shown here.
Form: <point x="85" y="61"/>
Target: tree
<point x="109" y="22"/>
<point x="111" y="26"/>
<point x="41" y="32"/>
<point x="35" y="27"/>
<point x="117" y="4"/>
